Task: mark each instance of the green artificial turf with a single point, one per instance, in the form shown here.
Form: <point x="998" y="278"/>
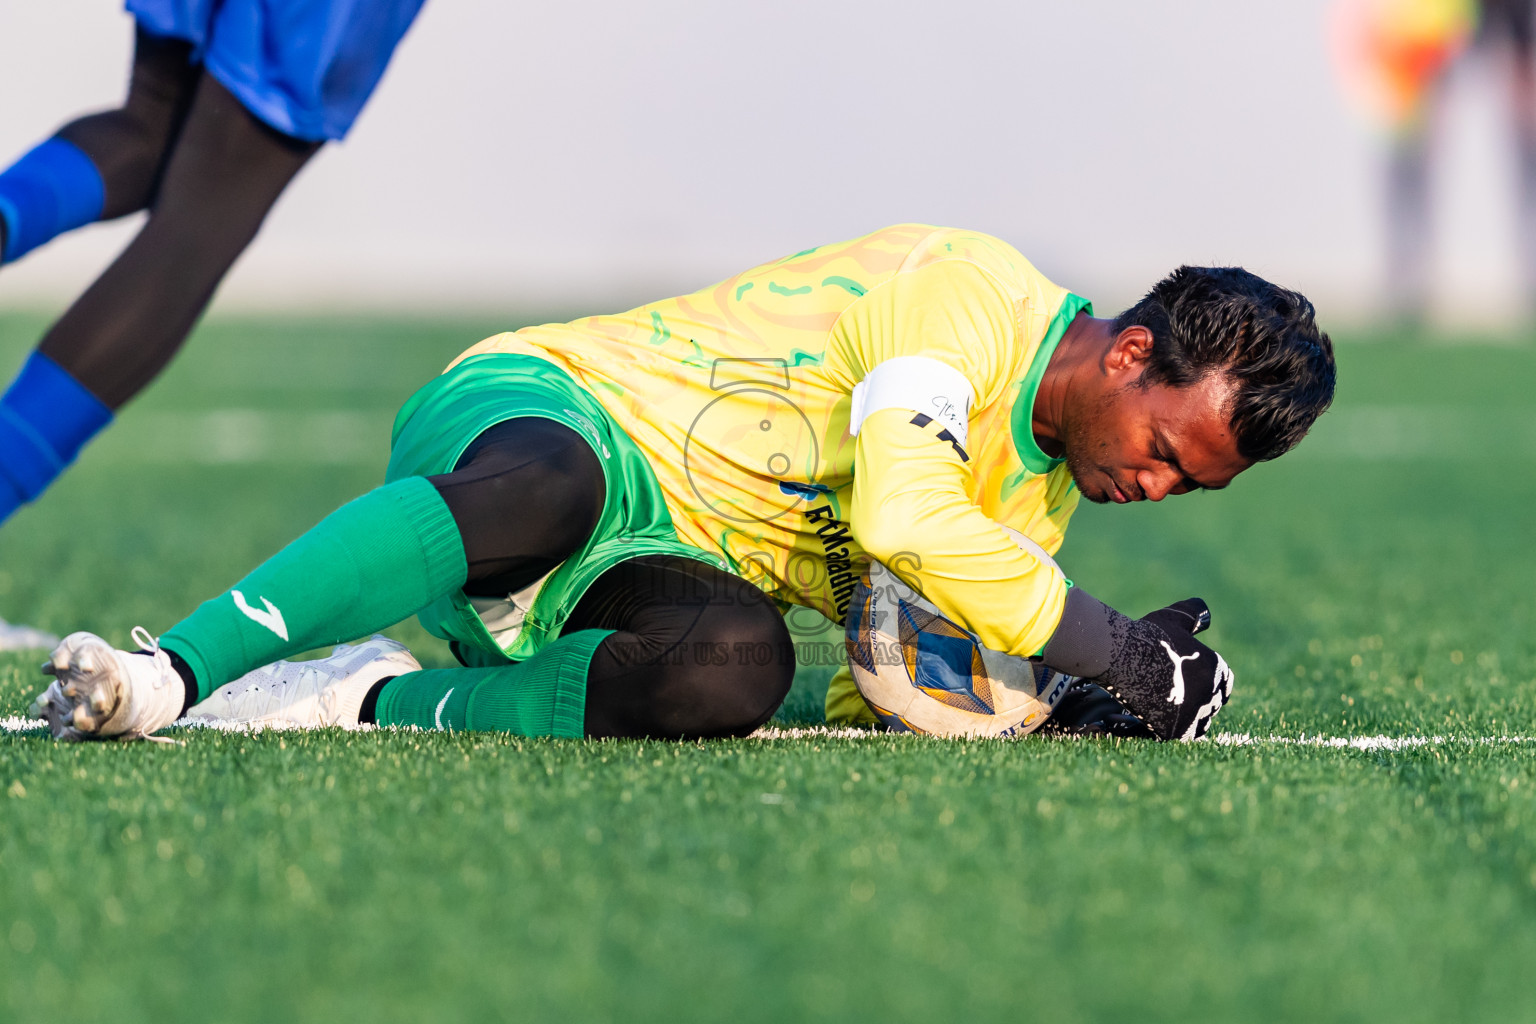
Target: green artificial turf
<point x="1375" y="583"/>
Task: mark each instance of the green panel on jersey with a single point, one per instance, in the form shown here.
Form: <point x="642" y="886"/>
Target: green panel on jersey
<point x="1035" y="460"/>
<point x="437" y="425"/>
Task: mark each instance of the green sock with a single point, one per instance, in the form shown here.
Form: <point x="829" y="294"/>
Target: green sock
<point x="543" y="696"/>
<point x="369" y="564"/>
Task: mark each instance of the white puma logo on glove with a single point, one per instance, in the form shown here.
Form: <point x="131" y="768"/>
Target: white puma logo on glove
<point x="271" y="618"/>
<point x="1176" y="696"/>
<point x="1219" y="697"/>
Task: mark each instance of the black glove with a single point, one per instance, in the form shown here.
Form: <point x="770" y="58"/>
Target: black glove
<point x="1163" y="675"/>
<point x="1087" y="709"/>
<point x="1192" y="615"/>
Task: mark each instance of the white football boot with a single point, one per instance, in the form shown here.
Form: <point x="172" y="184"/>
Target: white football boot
<point x="307" y="694"/>
<point x="101" y="692"/>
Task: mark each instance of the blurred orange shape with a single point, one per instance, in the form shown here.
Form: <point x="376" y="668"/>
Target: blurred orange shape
<point x="1390" y="53"/>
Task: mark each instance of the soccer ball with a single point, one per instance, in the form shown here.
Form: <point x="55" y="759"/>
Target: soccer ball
<point x="921" y="672"/>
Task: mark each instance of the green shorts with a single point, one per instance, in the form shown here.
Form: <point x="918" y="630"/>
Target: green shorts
<point x="441" y="420"/>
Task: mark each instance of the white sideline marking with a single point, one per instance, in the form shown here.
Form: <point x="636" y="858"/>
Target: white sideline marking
<point x="16" y="723"/>
<point x="1242" y="739"/>
<point x="245" y="436"/>
<point x="815" y="732"/>
<point x="1226" y="739"/>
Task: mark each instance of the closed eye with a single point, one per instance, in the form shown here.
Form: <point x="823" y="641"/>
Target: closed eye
<point x="1163" y="454"/>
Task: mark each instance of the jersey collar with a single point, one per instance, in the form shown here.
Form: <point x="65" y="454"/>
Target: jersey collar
<point x="1022" y="420"/>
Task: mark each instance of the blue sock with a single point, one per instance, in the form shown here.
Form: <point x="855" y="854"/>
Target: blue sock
<point x="53" y="189"/>
<point x="45" y="419"/>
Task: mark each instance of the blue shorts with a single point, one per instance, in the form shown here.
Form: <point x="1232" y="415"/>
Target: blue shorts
<point x="305" y="67"/>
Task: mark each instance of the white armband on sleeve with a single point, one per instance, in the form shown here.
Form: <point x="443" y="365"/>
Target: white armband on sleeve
<point x="919" y="383"/>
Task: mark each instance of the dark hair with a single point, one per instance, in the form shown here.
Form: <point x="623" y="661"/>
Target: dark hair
<point x="1207" y="320"/>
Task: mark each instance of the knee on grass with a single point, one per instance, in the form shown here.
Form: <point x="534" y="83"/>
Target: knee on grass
<point x="724" y="675"/>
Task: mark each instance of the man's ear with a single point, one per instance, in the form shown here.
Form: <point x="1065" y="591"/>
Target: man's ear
<point x="1129" y="351"/>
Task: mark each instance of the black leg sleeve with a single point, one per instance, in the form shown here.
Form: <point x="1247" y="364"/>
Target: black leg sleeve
<point x="130" y="145"/>
<point x="526" y="495"/>
<point x="697" y="652"/>
<point x="225" y="172"/>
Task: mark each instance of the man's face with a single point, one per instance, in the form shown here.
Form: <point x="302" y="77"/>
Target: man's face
<point x="1131" y="443"/>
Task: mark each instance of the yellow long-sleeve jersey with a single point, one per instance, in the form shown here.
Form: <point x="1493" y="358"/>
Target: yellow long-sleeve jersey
<point x="742" y="396"/>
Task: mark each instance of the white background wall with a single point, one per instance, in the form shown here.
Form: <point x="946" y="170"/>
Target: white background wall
<point x="592" y="152"/>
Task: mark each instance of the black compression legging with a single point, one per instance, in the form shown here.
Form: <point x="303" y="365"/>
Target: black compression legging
<point x="184" y="148"/>
<point x="696" y="651"/>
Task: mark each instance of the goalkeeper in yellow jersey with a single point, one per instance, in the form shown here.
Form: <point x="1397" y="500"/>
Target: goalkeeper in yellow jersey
<point x="608" y="518"/>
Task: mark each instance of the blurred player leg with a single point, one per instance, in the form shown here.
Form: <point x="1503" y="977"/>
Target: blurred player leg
<point x="280" y="80"/>
<point x="1525" y="141"/>
<point x="99" y="167"/>
<point x="1408" y="240"/>
<point x="52" y="189"/>
<point x="1393" y="56"/>
<point x="1510" y="27"/>
<point x="226" y="171"/>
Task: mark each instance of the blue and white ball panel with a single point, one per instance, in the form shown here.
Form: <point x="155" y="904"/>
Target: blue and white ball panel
<point x="921" y="672"/>
<point x="305" y="67"/>
<point x="943" y="660"/>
